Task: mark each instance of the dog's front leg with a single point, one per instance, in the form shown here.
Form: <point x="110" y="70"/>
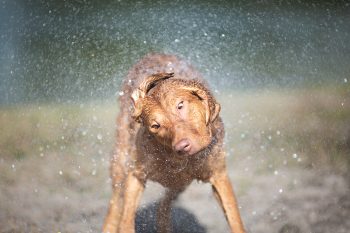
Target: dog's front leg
<point x="132" y="194"/>
<point x="121" y="213"/>
<point x="114" y="213"/>
<point x="224" y="193"/>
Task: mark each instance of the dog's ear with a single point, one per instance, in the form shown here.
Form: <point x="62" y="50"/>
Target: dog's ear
<point x="137" y="99"/>
<point x="214" y="111"/>
<point x="212" y="108"/>
<point x="140" y="93"/>
<point x="151" y="81"/>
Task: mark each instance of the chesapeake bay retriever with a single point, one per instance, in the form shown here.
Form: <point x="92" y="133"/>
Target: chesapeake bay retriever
<point x="169" y="131"/>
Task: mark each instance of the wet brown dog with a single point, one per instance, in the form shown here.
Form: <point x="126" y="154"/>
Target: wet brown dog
<point x="169" y="131"/>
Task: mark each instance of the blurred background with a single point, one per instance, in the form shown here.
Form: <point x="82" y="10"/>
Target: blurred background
<point x="280" y="70"/>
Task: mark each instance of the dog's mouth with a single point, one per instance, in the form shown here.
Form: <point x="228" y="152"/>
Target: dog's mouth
<point x="185" y="154"/>
<point x="182" y="156"/>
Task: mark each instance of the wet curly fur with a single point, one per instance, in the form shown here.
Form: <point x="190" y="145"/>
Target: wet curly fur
<point x="169" y="131"/>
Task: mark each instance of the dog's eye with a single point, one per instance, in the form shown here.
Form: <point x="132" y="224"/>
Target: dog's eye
<point x="180" y="105"/>
<point x="155" y="126"/>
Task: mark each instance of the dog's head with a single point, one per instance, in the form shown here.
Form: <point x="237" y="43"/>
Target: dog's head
<point x="178" y="112"/>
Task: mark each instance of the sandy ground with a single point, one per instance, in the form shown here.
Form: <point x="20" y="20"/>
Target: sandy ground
<point x="52" y="194"/>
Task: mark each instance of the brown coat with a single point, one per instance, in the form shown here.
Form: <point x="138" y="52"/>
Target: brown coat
<point x="168" y="131"/>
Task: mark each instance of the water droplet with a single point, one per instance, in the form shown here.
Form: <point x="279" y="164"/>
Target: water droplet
<point x="345" y="80"/>
<point x="280" y="190"/>
<point x="60" y="172"/>
<point x="295" y="156"/>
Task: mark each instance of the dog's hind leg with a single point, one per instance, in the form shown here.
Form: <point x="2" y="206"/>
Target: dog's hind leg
<point x="164" y="211"/>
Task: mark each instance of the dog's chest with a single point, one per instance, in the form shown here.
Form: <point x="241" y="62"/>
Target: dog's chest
<point x="171" y="172"/>
<point x="176" y="173"/>
<point x="157" y="163"/>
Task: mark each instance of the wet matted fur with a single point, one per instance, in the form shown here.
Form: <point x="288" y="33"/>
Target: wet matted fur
<point x="169" y="131"/>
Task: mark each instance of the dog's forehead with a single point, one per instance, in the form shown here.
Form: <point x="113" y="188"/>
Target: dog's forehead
<point x="164" y="97"/>
<point x="155" y="111"/>
<point x="170" y="91"/>
<point x="161" y="103"/>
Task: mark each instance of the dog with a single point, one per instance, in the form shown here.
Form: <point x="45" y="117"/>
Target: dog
<point x="168" y="131"/>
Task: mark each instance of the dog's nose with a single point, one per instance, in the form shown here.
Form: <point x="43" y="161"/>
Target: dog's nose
<point x="183" y="146"/>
